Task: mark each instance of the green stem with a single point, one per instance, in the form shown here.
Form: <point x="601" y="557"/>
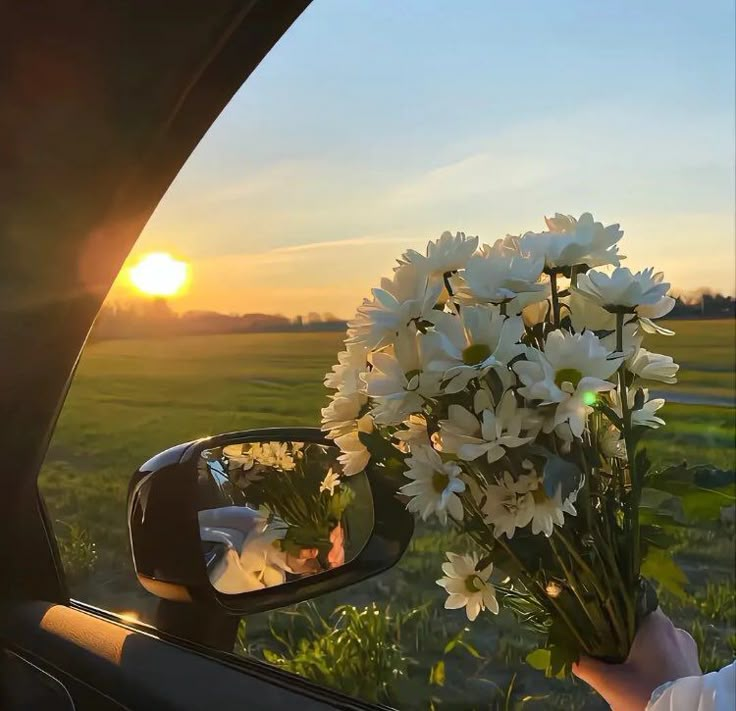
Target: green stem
<point x="580" y="561"/>
<point x="584" y="494"/>
<point x="574" y="584"/>
<point x="555" y="299"/>
<point x="606" y="597"/>
<point x="446" y="278"/>
<point x="613" y="565"/>
<point x="632" y="498"/>
<point x="535" y="583"/>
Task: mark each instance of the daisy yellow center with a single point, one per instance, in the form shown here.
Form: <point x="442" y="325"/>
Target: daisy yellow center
<point x="440" y="480"/>
<point x="476" y="354"/>
<point x="568" y="375"/>
<point x="473" y="584"/>
<point x="539" y="495"/>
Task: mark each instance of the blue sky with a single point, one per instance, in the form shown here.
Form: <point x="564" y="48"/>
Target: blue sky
<point x="374" y="125"/>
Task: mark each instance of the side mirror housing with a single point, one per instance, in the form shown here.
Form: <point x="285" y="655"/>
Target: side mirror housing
<point x="255" y="520"/>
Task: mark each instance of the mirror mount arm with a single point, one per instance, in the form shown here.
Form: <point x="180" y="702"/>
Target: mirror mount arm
<point x="210" y="626"/>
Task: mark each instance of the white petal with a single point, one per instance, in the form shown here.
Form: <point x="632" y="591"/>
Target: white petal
<point x="455" y="602"/>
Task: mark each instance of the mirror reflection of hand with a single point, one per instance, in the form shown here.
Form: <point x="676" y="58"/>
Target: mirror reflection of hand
<point x="259" y="564"/>
<point x="305" y="563"/>
<point x="336" y="556"/>
<point x="239" y="518"/>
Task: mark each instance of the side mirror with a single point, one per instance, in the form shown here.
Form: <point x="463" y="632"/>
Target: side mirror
<point x="255" y="520"/>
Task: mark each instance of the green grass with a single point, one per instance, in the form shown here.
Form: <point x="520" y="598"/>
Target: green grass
<point x="131" y="399"/>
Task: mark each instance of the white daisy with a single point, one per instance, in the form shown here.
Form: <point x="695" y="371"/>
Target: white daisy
<point x="548" y="511"/>
<point x="435" y="486"/>
<point x="446" y="254"/>
<point x="398" y="384"/>
<point x="570" y="371"/>
<point x="340" y="416"/>
<point x="646" y="314"/>
<point x="653" y="366"/>
<point x="468" y="346"/>
<point x="468" y="587"/>
<point x="508" y="506"/>
<point x="414" y="433"/>
<point x="399" y="301"/>
<point x="470" y="439"/>
<point x="347" y="376"/>
<point x="645" y="416"/>
<point x="483" y="399"/>
<point x="273" y="454"/>
<point x="355" y="455"/>
<point x="535" y="312"/>
<point x="504" y="271"/>
<point x="330" y="482"/>
<point x="621" y="290"/>
<point x="586" y="315"/>
<point x="569" y="242"/>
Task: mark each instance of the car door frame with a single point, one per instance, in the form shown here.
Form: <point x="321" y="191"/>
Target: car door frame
<point x="86" y="163"/>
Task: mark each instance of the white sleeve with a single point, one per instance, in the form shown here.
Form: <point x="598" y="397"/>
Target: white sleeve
<point x="711" y="692"/>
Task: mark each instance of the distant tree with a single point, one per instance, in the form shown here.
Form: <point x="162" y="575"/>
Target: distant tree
<point x="314" y="317"/>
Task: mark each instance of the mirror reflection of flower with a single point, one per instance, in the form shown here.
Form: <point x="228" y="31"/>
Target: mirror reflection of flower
<point x="299" y="487"/>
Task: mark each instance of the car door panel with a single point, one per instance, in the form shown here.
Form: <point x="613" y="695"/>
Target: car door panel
<point x="104" y="665"/>
<point x="25" y="685"/>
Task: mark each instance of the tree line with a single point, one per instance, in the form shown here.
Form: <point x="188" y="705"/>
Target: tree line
<point x="155" y="317"/>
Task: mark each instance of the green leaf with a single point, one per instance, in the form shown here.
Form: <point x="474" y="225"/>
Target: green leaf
<point x="656" y="536"/>
<point x="653" y="498"/>
<point x="539" y="659"/>
<point x="702" y="491"/>
<point x="560" y="662"/>
<point x="704" y="505"/>
<point x="271" y="657"/>
<point x="452" y="643"/>
<point x="437" y="674"/>
<point x="660" y="567"/>
<point x="638" y="399"/>
<point x="496" y="385"/>
<point x="561" y="474"/>
<point x="470" y="649"/>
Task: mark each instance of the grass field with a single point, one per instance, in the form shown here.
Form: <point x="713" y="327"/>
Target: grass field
<point x="131" y="399"/>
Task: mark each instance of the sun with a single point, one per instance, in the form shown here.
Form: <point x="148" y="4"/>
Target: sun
<point x="159" y="274"/>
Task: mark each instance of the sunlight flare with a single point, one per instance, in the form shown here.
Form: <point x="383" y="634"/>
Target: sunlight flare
<point x="159" y="274"/>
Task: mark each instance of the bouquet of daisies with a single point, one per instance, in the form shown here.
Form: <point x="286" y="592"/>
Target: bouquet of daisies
<point x="506" y="386"/>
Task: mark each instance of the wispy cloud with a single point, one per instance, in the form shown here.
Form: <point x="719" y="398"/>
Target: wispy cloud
<point x="366" y="240"/>
<point x="268" y="180"/>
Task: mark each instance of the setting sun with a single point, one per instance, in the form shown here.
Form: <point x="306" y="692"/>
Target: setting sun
<point x="159" y="274"/>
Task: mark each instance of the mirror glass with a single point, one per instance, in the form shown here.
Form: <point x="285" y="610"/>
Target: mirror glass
<point x="274" y="511"/>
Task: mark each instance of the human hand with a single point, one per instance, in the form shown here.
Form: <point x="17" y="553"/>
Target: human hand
<point x="661" y="652"/>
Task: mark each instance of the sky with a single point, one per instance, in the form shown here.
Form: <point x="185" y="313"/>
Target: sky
<point x="374" y="125"/>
